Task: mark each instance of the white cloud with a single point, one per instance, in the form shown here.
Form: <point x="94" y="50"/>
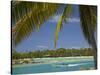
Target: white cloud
<point x="75" y="47"/>
<point x="54" y="19"/>
<point x="73" y="19"/>
<point x="41" y="46"/>
<point x="70" y="20"/>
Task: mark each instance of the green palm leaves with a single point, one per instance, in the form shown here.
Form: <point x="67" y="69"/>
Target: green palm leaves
<point x="88" y="20"/>
<point x="29" y="16"/>
<point x="64" y="16"/>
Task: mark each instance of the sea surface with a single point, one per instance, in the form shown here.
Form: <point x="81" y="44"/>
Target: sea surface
<point x="55" y="65"/>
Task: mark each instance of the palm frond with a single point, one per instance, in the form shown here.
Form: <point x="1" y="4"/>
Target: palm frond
<point x="88" y="23"/>
<point x="29" y="16"/>
<point x="64" y="16"/>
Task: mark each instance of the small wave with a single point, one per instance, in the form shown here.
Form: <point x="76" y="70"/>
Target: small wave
<point x="73" y="65"/>
<point x="68" y="65"/>
<point x="76" y="64"/>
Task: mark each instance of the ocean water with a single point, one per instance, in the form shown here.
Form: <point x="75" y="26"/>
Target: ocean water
<point x="53" y="67"/>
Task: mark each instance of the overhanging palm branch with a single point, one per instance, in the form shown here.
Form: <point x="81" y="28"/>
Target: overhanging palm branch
<point x="88" y="24"/>
<point x="29" y="16"/>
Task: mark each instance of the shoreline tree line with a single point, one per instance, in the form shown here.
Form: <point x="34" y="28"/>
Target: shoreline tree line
<point x="61" y="52"/>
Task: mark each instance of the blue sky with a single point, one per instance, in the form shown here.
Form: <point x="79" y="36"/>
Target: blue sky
<point x="71" y="35"/>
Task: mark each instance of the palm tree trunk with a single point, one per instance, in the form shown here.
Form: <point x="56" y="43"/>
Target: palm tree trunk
<point x="94" y="49"/>
<point x="95" y="55"/>
<point x="95" y="58"/>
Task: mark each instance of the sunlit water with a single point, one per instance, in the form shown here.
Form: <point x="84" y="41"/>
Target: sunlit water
<point x="54" y="67"/>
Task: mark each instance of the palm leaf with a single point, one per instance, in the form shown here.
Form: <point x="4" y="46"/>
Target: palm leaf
<point x="88" y="23"/>
<point x="29" y="16"/>
<point x="64" y="16"/>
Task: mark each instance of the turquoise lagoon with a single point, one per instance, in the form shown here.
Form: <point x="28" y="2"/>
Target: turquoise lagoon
<point x="60" y="64"/>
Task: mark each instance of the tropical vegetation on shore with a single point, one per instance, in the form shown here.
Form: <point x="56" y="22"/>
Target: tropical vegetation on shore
<point x="61" y="52"/>
<point x="29" y="16"/>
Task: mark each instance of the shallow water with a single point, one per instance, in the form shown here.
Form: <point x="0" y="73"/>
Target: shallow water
<point x="54" y="67"/>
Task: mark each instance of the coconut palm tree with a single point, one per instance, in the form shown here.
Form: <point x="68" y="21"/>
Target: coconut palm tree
<point x="29" y="16"/>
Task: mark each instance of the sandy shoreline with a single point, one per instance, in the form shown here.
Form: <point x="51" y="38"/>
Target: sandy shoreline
<point x="55" y="60"/>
